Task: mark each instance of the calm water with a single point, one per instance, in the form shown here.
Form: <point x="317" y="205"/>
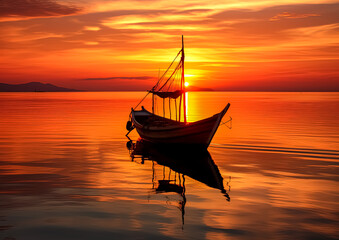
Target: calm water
<point x="66" y="172"/>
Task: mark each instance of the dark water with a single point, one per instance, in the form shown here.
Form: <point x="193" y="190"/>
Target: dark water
<point x="66" y="173"/>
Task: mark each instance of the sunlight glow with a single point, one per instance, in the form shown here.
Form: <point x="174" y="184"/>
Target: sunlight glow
<point x="187" y="84"/>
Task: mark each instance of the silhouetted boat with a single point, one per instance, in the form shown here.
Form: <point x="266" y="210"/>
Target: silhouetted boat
<point x="164" y="130"/>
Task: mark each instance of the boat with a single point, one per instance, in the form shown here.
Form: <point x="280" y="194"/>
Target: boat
<point x="173" y="128"/>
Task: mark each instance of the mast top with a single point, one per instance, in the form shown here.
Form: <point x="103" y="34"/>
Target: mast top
<point x="182" y="47"/>
<point x="182" y="41"/>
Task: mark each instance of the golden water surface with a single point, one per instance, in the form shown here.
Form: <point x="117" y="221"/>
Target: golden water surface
<point x="66" y="173"/>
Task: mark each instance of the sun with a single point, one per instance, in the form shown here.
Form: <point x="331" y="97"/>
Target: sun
<point x="187" y="84"/>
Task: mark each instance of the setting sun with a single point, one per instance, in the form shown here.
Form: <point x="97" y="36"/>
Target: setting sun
<point x="187" y="84"/>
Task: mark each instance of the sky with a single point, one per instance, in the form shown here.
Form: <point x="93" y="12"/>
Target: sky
<point x="121" y="45"/>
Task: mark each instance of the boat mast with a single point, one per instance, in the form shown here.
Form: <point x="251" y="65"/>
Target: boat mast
<point x="153" y="89"/>
<point x="183" y="76"/>
<point x="152" y="101"/>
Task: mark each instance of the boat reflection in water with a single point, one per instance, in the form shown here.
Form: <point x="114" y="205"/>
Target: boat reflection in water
<point x="192" y="162"/>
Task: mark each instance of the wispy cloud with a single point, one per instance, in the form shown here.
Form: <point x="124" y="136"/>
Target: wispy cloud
<point x="91" y="43"/>
<point x="18" y="9"/>
<point x="183" y="20"/>
<point x="105" y="6"/>
<point x="284" y="15"/>
<point x="92" y="28"/>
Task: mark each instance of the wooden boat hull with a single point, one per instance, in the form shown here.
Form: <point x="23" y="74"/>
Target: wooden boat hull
<point x="160" y="130"/>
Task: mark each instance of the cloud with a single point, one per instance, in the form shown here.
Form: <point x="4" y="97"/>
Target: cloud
<point x="92" y="28"/>
<point x="158" y="20"/>
<point x="19" y="9"/>
<point x="91" y="43"/>
<point x="118" y="5"/>
<point x="292" y="15"/>
<point x="119" y="78"/>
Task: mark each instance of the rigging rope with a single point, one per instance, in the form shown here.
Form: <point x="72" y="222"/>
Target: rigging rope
<point x="142" y="100"/>
<point x="175" y="70"/>
<point x="166" y="70"/>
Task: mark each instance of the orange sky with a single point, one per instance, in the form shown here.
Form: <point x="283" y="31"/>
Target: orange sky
<point x="120" y="45"/>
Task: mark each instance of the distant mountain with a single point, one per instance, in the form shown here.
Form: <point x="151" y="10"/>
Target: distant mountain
<point x="33" y="87"/>
<point x="198" y="89"/>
